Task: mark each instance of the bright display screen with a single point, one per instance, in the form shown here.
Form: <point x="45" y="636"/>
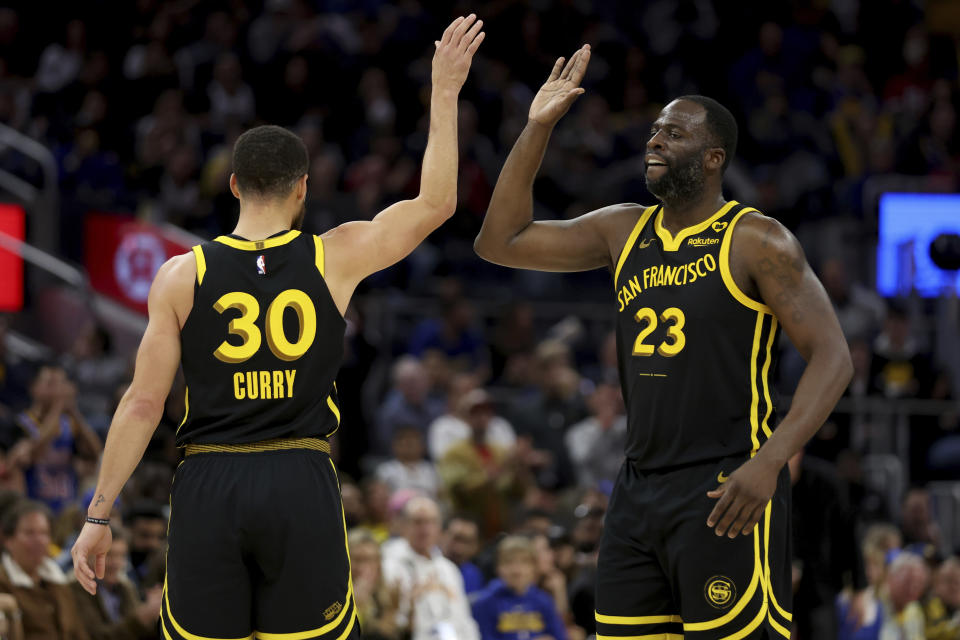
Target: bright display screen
<point x="908" y="224"/>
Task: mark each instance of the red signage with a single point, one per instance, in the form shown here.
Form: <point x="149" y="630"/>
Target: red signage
<point x="12" y="223"/>
<point x="123" y="255"/>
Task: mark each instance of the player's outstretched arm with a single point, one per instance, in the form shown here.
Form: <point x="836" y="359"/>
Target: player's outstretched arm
<point x="775" y="264"/>
<point x="357" y="249"/>
<point x="139" y="410"/>
<point x="509" y="235"/>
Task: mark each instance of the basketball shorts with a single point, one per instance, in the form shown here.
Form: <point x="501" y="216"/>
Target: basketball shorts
<point x="662" y="573"/>
<point x="257" y="546"/>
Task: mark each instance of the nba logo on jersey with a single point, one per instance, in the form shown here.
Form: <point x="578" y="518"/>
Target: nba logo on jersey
<point x="261" y="266"/>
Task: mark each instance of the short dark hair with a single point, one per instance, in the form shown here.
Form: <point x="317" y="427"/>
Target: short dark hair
<point x="721" y="124"/>
<point x="39" y="367"/>
<point x="461" y="517"/>
<point x="18" y="511"/>
<point x="268" y="160"/>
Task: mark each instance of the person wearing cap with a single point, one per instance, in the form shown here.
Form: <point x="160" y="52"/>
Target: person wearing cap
<point x="463" y="397"/>
<point x="479" y="477"/>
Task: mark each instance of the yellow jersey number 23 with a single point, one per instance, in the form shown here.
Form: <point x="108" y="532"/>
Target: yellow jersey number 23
<point x="675" y="341"/>
<point x="245" y="328"/>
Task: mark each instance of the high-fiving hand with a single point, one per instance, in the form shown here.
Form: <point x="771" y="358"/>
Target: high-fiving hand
<point x="561" y="88"/>
<point x="455" y="49"/>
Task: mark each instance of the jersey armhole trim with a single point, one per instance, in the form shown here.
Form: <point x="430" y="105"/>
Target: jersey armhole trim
<point x="201" y="262"/>
<point x="318" y="243"/>
<point x="727" y="276"/>
<point x="631" y="240"/>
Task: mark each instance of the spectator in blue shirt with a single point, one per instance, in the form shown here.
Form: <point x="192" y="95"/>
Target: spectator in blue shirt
<point x="512" y="608"/>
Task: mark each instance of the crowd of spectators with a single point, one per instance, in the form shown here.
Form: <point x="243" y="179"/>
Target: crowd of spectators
<point x="480" y="445"/>
<point x="474" y="493"/>
<point x="829" y="95"/>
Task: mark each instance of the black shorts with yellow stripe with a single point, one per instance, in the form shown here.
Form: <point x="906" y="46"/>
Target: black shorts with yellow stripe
<point x="257" y="546"/>
<point x="663" y="574"/>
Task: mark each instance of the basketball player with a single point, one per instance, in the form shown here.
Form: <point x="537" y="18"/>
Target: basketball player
<point x="257" y="539"/>
<point x="695" y="542"/>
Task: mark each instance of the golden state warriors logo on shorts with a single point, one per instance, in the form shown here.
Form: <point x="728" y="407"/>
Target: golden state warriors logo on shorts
<point x="720" y="592"/>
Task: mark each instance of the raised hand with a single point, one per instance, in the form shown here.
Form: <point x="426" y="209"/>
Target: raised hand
<point x="455" y="49"/>
<point x="561" y="88"/>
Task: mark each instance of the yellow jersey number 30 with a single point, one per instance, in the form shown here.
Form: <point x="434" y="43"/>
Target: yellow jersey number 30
<point x="244" y="326"/>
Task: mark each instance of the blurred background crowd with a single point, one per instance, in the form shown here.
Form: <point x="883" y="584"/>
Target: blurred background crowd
<point x="483" y="422"/>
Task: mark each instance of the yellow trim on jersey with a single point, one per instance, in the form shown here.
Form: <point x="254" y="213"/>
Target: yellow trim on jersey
<point x="754" y="394"/>
<point x="319" y="256"/>
<point x="258" y="245"/>
<point x="779" y="628"/>
<point x="765" y="377"/>
<point x="201" y="262"/>
<point x="761" y="574"/>
<point x="672" y="243"/>
<point x="631" y="240"/>
<point x="275" y="444"/>
<point x="757" y="579"/>
<point x="186" y="406"/>
<point x="773" y="598"/>
<point x="776" y="605"/>
<point x="653" y="636"/>
<point x="333" y="624"/>
<point x="176" y="625"/>
<point x="764" y="609"/>
<point x="334" y="409"/>
<point x="605" y="619"/>
<point x="727" y="276"/>
<point x="753" y="624"/>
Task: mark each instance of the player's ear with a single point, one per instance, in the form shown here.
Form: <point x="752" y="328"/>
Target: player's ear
<point x="714" y="157"/>
<point x="301" y="188"/>
<point x="234" y="189"/>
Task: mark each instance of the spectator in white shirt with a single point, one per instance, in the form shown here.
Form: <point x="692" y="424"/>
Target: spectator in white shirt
<point x="453" y="427"/>
<point x="408" y="469"/>
<point x="433" y="604"/>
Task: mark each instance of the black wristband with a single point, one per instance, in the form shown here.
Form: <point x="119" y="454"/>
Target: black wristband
<point x="92" y="520"/>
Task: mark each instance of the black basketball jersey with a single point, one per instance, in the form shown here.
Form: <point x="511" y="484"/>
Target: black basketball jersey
<point x="695" y="353"/>
<point x="263" y="343"/>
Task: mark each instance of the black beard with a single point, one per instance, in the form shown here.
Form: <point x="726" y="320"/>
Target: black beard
<point x="681" y="183"/>
<point x="297" y="223"/>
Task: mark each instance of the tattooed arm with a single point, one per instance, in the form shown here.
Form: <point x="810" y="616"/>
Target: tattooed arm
<point x="768" y="264"/>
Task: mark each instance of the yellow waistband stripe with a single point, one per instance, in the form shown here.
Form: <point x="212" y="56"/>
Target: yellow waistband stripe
<point x="649" y="636"/>
<point x="605" y="619"/>
<point x="275" y="444"/>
